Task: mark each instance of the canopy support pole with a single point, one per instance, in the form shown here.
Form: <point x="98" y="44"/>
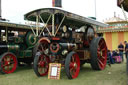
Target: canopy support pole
<point x="45" y="25"/>
<point x="60" y="25"/>
<point x="53" y="24"/>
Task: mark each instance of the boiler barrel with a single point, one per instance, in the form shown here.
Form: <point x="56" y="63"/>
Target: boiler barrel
<point x="68" y="46"/>
<point x="8" y="48"/>
<point x="3" y="47"/>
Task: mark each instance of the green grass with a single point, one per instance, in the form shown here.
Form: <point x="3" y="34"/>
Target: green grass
<point x="114" y="75"/>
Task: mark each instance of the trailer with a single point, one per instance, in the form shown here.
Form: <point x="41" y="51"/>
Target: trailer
<point x="16" y="45"/>
<point x="66" y="38"/>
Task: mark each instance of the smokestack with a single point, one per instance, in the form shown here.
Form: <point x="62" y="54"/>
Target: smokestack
<point x="0" y="8"/>
<point x="56" y="3"/>
<point x="3" y="19"/>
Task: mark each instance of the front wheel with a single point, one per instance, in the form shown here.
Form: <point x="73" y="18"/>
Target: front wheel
<point x="72" y="65"/>
<point x="41" y="64"/>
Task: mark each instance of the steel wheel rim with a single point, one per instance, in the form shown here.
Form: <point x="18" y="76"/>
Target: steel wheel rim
<point x="43" y="65"/>
<point x="102" y="54"/>
<point x="8" y="63"/>
<point x="74" y="66"/>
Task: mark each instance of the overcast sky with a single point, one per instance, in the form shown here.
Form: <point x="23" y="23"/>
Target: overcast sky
<point x="14" y="10"/>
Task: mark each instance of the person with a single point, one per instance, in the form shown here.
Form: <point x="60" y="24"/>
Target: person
<point x="110" y="57"/>
<point x="114" y="54"/>
<point x="126" y="54"/>
<point x="121" y="49"/>
<point x="126" y="49"/>
<point x="117" y="58"/>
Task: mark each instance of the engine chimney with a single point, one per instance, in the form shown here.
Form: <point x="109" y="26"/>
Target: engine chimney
<point x="3" y="19"/>
<point x="56" y="3"/>
<point x="0" y="9"/>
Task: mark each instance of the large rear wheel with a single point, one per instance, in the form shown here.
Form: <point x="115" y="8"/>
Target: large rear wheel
<point x="8" y="63"/>
<point x="72" y="65"/>
<point x="98" y="51"/>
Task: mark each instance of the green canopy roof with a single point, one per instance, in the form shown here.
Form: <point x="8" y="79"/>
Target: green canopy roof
<point x="70" y="18"/>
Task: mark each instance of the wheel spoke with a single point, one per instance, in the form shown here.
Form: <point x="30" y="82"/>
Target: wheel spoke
<point x="103" y="57"/>
<point x="39" y="63"/>
<point x="71" y="64"/>
<point x="12" y="65"/>
<point x="8" y="68"/>
<point x="40" y="69"/>
<point x="104" y="49"/>
<point x="100" y="62"/>
<point x="74" y="72"/>
<point x="103" y="53"/>
<point x="5" y="65"/>
<point x="98" y="48"/>
<point x="73" y="59"/>
<point x="5" y="59"/>
<point x="71" y="71"/>
<point x="98" y="53"/>
<point x="45" y="69"/>
<point x="101" y="43"/>
<point x="10" y="59"/>
<point x="12" y="62"/>
<point x="45" y="46"/>
<point x="42" y="47"/>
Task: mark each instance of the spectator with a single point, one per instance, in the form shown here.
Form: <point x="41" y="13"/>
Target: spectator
<point x="115" y="53"/>
<point x="126" y="54"/>
<point x="126" y="49"/>
<point x="115" y="56"/>
<point x="121" y="49"/>
<point x="110" y="57"/>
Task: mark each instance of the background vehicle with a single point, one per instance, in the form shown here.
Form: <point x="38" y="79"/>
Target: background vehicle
<point x="16" y="44"/>
<point x="68" y="39"/>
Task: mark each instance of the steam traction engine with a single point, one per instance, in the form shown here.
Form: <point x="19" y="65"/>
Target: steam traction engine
<point x="68" y="39"/>
<point x="16" y="44"/>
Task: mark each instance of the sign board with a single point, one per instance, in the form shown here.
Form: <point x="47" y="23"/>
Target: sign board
<point x="54" y="71"/>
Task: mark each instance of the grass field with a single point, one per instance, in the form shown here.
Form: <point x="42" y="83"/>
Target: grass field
<point x="114" y="75"/>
